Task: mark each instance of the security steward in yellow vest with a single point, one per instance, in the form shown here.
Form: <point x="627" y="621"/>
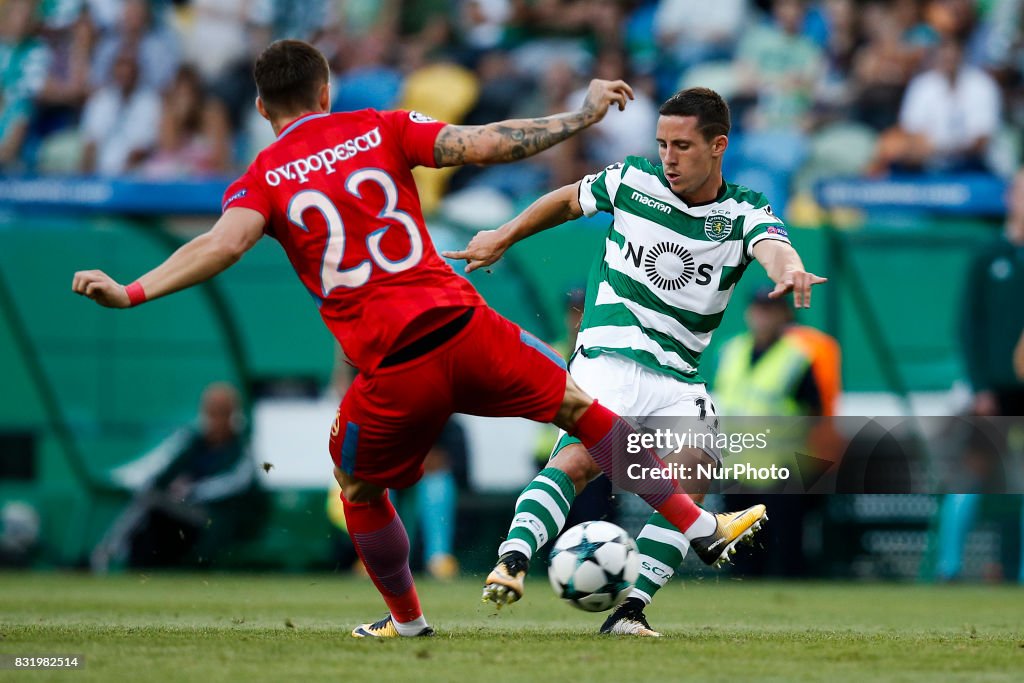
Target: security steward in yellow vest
<point x="768" y="371"/>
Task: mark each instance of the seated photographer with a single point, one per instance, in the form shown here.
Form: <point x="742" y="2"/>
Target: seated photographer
<point x="194" y="494"/>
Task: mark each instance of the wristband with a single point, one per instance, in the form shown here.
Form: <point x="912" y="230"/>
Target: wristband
<point x="136" y="294"/>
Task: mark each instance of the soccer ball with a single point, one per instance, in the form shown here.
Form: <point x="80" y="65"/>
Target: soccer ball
<point x="593" y="565"/>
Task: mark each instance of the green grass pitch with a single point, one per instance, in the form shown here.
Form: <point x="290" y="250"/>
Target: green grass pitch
<point x="223" y="627"/>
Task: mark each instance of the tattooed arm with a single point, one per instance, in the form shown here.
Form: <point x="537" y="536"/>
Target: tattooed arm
<point x="520" y="138"/>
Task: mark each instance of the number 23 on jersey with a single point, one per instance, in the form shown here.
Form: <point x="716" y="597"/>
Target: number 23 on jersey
<point x="332" y="275"/>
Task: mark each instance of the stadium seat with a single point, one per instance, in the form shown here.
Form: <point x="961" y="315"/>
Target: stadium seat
<point x="374" y="88"/>
<point x="478" y="208"/>
<point x="719" y="76"/>
<point x="446" y="92"/>
<point x="842" y="149"/>
<point x="60" y="153"/>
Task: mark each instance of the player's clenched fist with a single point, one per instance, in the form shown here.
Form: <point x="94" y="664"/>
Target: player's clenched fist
<point x="101" y="288"/>
<point x="601" y="95"/>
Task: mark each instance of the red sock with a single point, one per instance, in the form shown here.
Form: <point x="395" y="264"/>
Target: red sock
<point x="383" y="545"/>
<point x="604" y="435"/>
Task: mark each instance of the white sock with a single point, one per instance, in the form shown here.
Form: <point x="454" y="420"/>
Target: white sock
<point x="410" y="628"/>
<point x="704" y="525"/>
<point x="515" y="544"/>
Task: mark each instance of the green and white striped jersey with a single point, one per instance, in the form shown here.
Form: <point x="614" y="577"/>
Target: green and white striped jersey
<point x="668" y="270"/>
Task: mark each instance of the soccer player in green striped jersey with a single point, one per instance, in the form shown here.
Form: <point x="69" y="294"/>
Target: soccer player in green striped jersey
<point x="680" y="239"/>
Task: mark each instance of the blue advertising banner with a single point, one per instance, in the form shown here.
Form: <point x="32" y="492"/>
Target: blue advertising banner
<point x="968" y="194"/>
<point x="110" y="195"/>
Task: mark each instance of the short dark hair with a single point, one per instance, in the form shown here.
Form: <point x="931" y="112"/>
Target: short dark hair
<point x="708" y="106"/>
<point x="289" y="75"/>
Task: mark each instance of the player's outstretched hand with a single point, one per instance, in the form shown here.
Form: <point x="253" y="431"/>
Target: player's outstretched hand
<point x="799" y="282"/>
<point x="603" y="94"/>
<point x="486" y="247"/>
<point x="101" y="288"/>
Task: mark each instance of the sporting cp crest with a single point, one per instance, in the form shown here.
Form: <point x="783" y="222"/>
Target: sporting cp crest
<point x="718" y="227"/>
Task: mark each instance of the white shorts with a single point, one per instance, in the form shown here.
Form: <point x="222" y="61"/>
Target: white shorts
<point x="650" y="400"/>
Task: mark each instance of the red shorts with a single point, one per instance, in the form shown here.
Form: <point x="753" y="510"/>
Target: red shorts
<point x="388" y="421"/>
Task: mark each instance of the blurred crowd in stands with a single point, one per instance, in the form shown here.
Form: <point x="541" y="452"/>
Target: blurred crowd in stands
<point x="162" y="88"/>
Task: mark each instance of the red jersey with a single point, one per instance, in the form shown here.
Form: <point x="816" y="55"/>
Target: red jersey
<point x="337" y="192"/>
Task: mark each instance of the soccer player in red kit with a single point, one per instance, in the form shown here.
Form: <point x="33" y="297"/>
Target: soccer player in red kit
<point x="336" y="191"/>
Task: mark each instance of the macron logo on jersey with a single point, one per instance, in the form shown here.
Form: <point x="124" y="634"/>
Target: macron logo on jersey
<point x="324" y="160"/>
<point x="651" y="202"/>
